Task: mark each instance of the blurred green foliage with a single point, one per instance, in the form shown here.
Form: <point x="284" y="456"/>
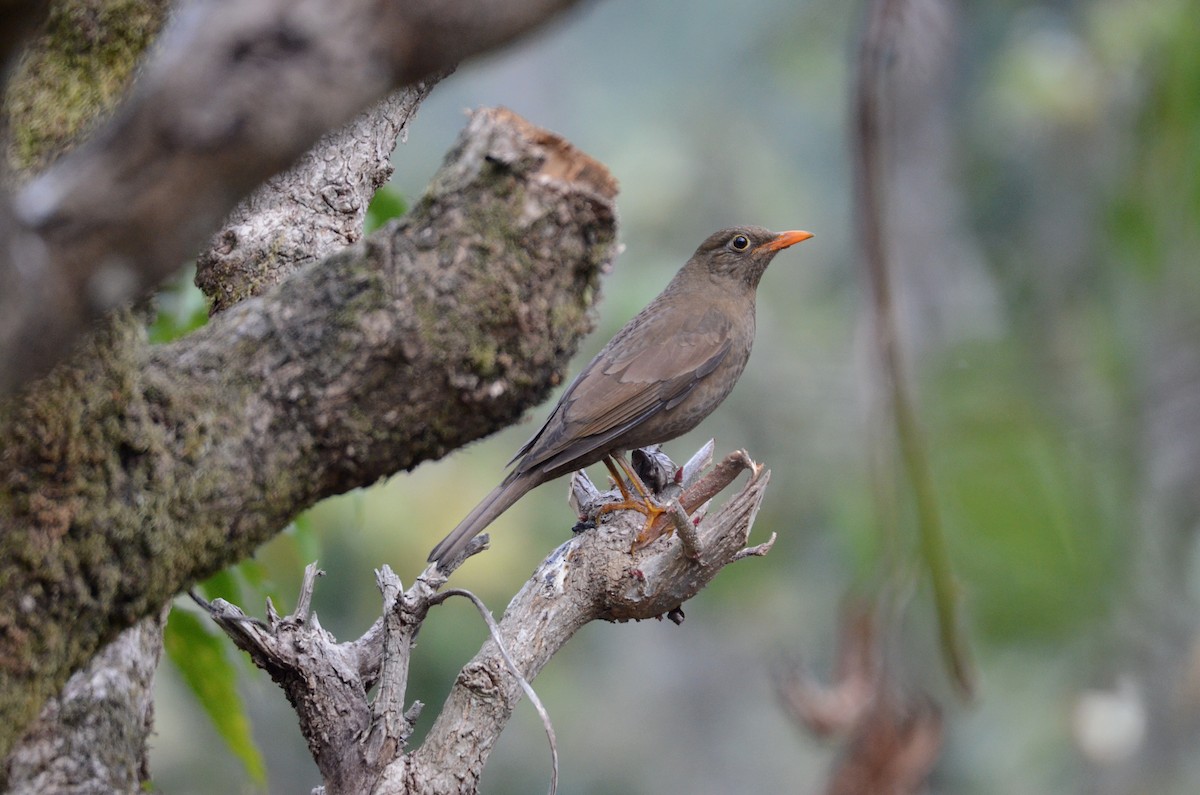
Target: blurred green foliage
<point x="1035" y="551"/>
<point x="202" y="656"/>
<point x="1155" y="218"/>
<point x="386" y="204"/>
<point x="179" y="308"/>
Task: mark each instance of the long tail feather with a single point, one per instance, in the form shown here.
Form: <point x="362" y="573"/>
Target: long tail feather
<point x="500" y="500"/>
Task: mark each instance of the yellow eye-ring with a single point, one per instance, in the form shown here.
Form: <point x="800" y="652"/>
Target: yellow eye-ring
<point x="740" y="242"/>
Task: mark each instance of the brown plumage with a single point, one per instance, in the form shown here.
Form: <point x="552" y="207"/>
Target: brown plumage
<point x="663" y="373"/>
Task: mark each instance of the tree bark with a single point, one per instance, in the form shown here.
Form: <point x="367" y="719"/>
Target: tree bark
<point x="350" y="165"/>
<point x="92" y="737"/>
<point x="120" y="459"/>
<point x="311" y="210"/>
<point x="235" y="93"/>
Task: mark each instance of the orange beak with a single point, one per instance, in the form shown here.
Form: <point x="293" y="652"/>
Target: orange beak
<point x="785" y="239"/>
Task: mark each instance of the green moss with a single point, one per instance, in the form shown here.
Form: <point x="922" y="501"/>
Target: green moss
<point x="483" y="358"/>
<point x="567" y="315"/>
<point x="75" y="73"/>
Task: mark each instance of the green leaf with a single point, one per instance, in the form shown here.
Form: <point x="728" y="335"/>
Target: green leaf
<point x="386" y="204"/>
<point x="180" y="309"/>
<point x="202" y="659"/>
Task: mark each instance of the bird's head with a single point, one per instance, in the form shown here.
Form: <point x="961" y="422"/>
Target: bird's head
<point x="742" y="253"/>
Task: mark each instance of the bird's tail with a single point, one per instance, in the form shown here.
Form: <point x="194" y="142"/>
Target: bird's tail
<point x="502" y="497"/>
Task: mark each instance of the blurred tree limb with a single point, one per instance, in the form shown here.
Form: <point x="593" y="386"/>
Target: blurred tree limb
<point x="41" y="761"/>
<point x="233" y="94"/>
<point x="131" y="470"/>
<point x="137" y="470"/>
<point x="891" y="735"/>
<point x="882" y="46"/>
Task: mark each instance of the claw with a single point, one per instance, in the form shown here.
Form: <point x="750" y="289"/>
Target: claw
<point x="657" y="525"/>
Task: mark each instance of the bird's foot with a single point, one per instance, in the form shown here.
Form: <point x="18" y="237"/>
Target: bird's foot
<point x="661" y="519"/>
<point x="668" y="509"/>
<point x="673" y="518"/>
<point x="643" y="505"/>
<point x="654" y="529"/>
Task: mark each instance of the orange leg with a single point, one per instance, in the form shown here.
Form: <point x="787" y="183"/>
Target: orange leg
<point x="616" y="476"/>
<point x="645" y="505"/>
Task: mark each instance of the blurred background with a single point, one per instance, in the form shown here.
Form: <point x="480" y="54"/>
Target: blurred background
<point x="1044" y="226"/>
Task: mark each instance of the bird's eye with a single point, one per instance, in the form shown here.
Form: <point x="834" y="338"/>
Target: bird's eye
<point x="740" y="242"/>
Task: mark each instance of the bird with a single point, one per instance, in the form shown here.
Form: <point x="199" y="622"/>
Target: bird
<point x="665" y="371"/>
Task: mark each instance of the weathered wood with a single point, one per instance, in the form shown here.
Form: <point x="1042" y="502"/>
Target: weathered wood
<point x="360" y="747"/>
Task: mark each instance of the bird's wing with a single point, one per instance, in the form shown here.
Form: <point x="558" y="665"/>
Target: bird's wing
<point x="651" y="365"/>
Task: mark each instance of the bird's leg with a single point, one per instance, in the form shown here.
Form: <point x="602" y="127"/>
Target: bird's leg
<point x="698" y="492"/>
<point x="635" y="481"/>
<point x="645" y="505"/>
<point x="616" y="476"/>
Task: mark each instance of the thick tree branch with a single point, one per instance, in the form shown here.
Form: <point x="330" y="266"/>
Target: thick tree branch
<point x="311" y="210"/>
<point x="316" y="206"/>
<point x="72" y="77"/>
<point x="359" y="748"/>
<point x="138" y="470"/>
<point x="234" y="94"/>
<point x="69" y="79"/>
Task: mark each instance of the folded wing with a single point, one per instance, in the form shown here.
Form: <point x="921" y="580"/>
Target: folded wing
<point x="651" y="366"/>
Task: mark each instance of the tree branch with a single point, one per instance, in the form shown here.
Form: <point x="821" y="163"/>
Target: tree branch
<point x="317" y="205"/>
<point x="107" y="705"/>
<point x="234" y="94"/>
<point x="138" y="470"/>
<point x="592" y="576"/>
<point x="311" y="210"/>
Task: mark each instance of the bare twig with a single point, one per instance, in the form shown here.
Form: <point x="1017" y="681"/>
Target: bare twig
<point x="592" y="576"/>
<point x="758" y="550"/>
<point x="360" y="747"/>
<point x="494" y="631"/>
